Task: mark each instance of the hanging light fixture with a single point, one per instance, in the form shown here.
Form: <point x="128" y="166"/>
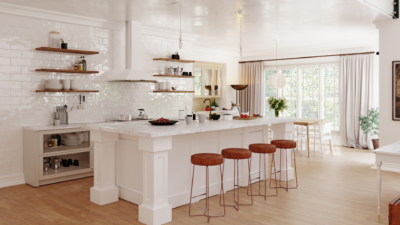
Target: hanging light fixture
<point x="276" y="80"/>
<point x="240" y="13"/>
<point x="180" y="24"/>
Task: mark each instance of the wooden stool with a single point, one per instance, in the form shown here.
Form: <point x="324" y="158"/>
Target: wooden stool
<point x="236" y="154"/>
<point x="285" y="144"/>
<point x="207" y="159"/>
<point x="264" y="149"/>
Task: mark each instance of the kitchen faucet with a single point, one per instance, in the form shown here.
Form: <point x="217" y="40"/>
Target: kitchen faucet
<point x="209" y="117"/>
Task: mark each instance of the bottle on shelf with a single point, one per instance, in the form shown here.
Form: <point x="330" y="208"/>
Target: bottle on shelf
<point x="83" y="63"/>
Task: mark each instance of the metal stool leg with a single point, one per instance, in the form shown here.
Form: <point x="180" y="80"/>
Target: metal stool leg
<point x="207" y="194"/>
<point x="287" y="174"/>
<point x="265" y="177"/>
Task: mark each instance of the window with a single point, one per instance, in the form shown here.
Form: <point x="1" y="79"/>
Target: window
<point x="311" y="91"/>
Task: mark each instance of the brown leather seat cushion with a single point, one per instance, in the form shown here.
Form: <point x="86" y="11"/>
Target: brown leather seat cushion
<point x="284" y="143"/>
<point x="262" y="148"/>
<point x="236" y="153"/>
<point x="207" y="159"/>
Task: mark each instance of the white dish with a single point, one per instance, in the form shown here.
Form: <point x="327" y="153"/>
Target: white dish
<point x="228" y="117"/>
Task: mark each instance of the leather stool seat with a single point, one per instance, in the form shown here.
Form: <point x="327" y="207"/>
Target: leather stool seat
<point x="207" y="159"/>
<point x="236" y="153"/>
<point x="262" y="148"/>
<point x="284" y="143"/>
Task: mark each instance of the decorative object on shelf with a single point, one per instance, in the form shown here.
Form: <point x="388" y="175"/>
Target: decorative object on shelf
<point x="240" y="14"/>
<point x="63" y="45"/>
<point x="76" y="162"/>
<point x="73" y="51"/>
<point x="370" y="125"/>
<point x="174" y="60"/>
<point x="174" y="88"/>
<point x="175" y="56"/>
<point x="54" y="39"/>
<point x="277" y="105"/>
<point x="238" y="88"/>
<point x="208" y="108"/>
<point x="277" y="80"/>
<point x="396" y="91"/>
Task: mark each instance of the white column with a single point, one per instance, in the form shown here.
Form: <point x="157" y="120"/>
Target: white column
<point x="104" y="190"/>
<point x="155" y="208"/>
<point x="283" y="131"/>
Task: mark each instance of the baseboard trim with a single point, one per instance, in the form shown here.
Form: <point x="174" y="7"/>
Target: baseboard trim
<point x="391" y="167"/>
<point x="13" y="180"/>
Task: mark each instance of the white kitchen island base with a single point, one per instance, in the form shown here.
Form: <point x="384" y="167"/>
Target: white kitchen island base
<point x="152" y="166"/>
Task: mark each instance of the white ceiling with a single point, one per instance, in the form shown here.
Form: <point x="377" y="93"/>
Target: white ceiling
<point x="296" y="23"/>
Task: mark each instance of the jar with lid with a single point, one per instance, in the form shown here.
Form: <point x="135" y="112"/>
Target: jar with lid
<point x="54" y="39"/>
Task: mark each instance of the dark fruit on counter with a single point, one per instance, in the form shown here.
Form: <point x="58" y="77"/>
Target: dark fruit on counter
<point x="162" y="120"/>
<point x="224" y="109"/>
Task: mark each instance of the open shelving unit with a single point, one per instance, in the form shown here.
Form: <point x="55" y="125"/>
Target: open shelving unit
<point x="65" y="71"/>
<point x="173" y="91"/>
<point x="73" y="51"/>
<point x="174" y="76"/>
<point x="174" y="60"/>
<point x="67" y="91"/>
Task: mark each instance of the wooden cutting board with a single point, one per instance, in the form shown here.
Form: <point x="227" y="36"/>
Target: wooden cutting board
<point x="249" y="118"/>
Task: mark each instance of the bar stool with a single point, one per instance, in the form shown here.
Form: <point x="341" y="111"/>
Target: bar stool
<point x="207" y="159"/>
<point x="236" y="154"/>
<point x="285" y="145"/>
<point x="264" y="149"/>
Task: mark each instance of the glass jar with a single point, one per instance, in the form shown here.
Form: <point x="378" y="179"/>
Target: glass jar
<point x="54" y="39"/>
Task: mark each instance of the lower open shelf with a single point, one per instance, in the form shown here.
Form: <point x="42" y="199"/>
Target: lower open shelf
<point x="82" y="165"/>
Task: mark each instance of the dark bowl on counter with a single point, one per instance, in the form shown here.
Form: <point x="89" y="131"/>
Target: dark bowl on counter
<point x="215" y="117"/>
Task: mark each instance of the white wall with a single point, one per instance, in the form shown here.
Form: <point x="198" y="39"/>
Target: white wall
<point x="20" y="106"/>
<point x="389" y="31"/>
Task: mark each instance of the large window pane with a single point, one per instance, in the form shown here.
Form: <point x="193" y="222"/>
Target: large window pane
<point x="290" y="92"/>
<point x="310" y="92"/>
<point x="269" y="92"/>
<point x="331" y="92"/>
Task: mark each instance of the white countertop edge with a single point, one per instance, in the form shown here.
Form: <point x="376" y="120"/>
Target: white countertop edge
<point x="122" y="128"/>
<point x="53" y="127"/>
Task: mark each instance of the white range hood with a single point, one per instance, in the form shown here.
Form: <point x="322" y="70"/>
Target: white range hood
<point x="133" y="57"/>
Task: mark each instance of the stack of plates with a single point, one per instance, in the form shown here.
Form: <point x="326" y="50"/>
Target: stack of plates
<point x="72" y="139"/>
<point x="74" y="84"/>
<point x="53" y="85"/>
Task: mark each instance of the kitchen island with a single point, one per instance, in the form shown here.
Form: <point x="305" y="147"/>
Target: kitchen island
<point x="150" y="165"/>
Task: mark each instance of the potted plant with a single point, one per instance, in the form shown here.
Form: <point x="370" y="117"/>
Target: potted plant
<point x="277" y="105"/>
<point x="208" y="108"/>
<point x="214" y="106"/>
<point x="370" y="125"/>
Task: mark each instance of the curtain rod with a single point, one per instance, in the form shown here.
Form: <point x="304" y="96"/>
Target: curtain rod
<point x="308" y="57"/>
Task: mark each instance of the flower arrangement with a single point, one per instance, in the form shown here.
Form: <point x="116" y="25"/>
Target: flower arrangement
<point x="277" y="104"/>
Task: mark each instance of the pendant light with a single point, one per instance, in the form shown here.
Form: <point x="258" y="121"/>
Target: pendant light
<point x="180" y="24"/>
<point x="240" y="13"/>
<point x="276" y="80"/>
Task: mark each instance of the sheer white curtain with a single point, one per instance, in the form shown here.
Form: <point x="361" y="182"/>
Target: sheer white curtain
<point x="355" y="89"/>
<point x="253" y="97"/>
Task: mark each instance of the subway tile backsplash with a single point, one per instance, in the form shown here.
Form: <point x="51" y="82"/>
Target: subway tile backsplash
<point x="21" y="106"/>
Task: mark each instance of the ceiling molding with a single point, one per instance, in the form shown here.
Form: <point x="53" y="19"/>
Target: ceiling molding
<point x="167" y="34"/>
<point x="59" y="17"/>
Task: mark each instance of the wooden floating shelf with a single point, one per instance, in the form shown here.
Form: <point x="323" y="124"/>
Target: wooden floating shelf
<point x="74" y="51"/>
<point x="174" y="60"/>
<point x="65" y="71"/>
<point x="69" y="91"/>
<point x="174" y="76"/>
<point x="173" y="91"/>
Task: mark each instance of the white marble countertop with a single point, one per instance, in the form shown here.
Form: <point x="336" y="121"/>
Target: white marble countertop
<point x="145" y="129"/>
<point x="52" y="127"/>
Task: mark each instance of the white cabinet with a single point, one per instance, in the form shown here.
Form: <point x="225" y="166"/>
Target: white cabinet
<point x="208" y="80"/>
<point x="35" y="152"/>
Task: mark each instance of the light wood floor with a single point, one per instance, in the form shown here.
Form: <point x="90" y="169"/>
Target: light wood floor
<point x="338" y="189"/>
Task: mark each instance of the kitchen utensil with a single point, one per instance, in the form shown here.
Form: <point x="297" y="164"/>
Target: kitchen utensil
<point x="190" y="74"/>
<point x="194" y="116"/>
<point x="65" y="163"/>
<point x="202" y="118"/>
<point x="47" y="166"/>
<point x="227" y="117"/>
<point x="171" y="122"/>
<point x="46" y="159"/>
<point x="182" y="114"/>
<point x="69" y="161"/>
<point x="141" y="114"/>
<point x="76" y="162"/>
<point x="168" y="86"/>
<point x="189" y="119"/>
<point x="163" y="86"/>
<point x="57" y="163"/>
<point x="215" y="117"/>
